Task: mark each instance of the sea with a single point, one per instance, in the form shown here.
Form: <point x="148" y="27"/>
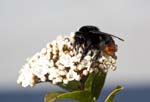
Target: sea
<point x="139" y="94"/>
<point x="37" y="93"/>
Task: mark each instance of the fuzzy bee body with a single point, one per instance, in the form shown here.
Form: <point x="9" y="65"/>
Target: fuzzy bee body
<point x="92" y="38"/>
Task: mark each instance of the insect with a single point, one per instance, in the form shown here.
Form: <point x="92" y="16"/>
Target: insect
<point x="92" y="38"/>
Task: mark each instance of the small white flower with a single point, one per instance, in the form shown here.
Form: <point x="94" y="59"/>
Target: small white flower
<point x="88" y="58"/>
<point x="71" y="75"/>
<point x="86" y="63"/>
<point x="71" y="53"/>
<point x="39" y="71"/>
<point x="59" y="38"/>
<point x="113" y="61"/>
<point x="113" y="67"/>
<point x="60" y="45"/>
<point x="55" y="50"/>
<point x="54" y="82"/>
<point x="80" y="67"/>
<point x="101" y="66"/>
<point x="65" y="59"/>
<point x="102" y="59"/>
<point x="26" y="77"/>
<point x="91" y="70"/>
<point x="105" y="70"/>
<point x="75" y="59"/>
<point x="50" y="77"/>
<point x="54" y="57"/>
<point x="61" y="67"/>
<point x="85" y="72"/>
<point x="53" y="73"/>
<point x="43" y="51"/>
<point x="62" y="73"/>
<point x="73" y="67"/>
<point x="77" y="77"/>
<point x="58" y="79"/>
<point x="79" y="56"/>
<point x="43" y="62"/>
<point x="43" y="78"/>
<point x="49" y="50"/>
<point x="48" y="46"/>
<point x="53" y="42"/>
<point x="65" y="81"/>
<point x="72" y="34"/>
<point x="108" y="63"/>
<point x="36" y="56"/>
<point x="51" y="63"/>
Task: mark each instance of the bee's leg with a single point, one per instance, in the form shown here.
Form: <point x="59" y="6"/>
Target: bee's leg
<point x="77" y="43"/>
<point x="101" y="47"/>
<point x="79" y="40"/>
<point x="99" y="52"/>
<point x="86" y="49"/>
<point x="84" y="53"/>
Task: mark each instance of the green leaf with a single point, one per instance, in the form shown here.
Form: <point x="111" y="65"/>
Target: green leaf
<point x="89" y="82"/>
<point x="81" y="96"/>
<point x="98" y="83"/>
<point x="71" y="86"/>
<point x="111" y="96"/>
<point x="51" y="96"/>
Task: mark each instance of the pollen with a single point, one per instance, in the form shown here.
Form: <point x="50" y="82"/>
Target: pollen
<point x="110" y="49"/>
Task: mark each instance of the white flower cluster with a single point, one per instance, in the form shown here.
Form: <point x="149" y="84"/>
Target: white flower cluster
<point x="60" y="62"/>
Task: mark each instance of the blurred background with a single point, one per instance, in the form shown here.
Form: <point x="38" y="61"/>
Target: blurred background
<point x="26" y="26"/>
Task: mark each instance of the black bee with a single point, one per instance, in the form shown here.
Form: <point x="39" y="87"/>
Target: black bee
<point x="92" y="38"/>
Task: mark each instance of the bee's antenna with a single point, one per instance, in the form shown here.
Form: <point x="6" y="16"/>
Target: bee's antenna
<point x="116" y="37"/>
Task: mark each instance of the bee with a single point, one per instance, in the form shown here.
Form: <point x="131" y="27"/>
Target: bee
<point x="92" y="38"/>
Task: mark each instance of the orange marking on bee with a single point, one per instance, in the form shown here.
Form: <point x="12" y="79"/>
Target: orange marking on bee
<point x="110" y="49"/>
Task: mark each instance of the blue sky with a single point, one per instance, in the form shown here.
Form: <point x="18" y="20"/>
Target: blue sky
<point x="27" y="25"/>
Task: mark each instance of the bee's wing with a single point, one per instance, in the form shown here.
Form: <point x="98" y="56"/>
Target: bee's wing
<point x="96" y="32"/>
